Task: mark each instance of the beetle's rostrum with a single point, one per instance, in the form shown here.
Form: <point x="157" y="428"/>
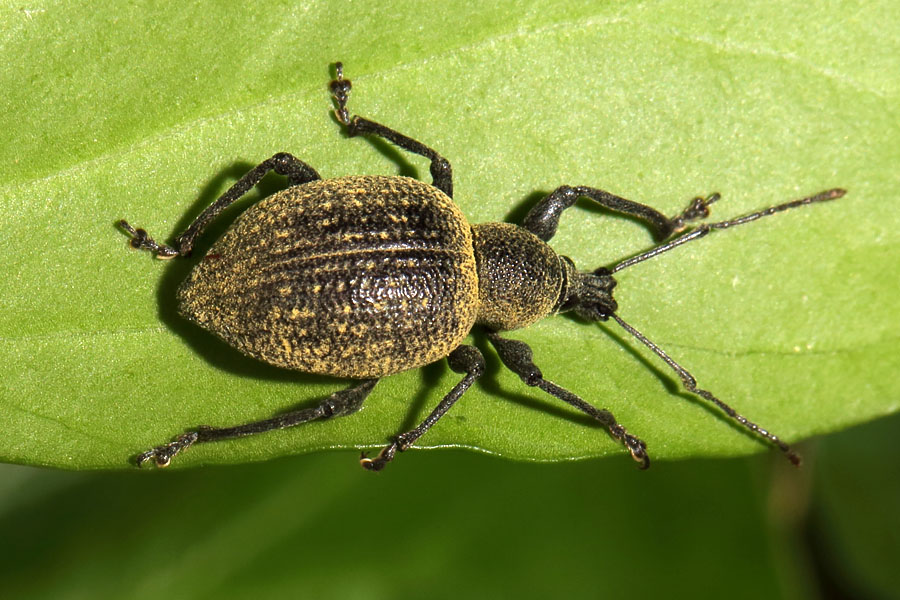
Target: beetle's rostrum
<point x="367" y="276"/>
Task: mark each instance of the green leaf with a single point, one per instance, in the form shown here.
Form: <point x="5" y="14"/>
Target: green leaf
<point x="150" y="112"/>
<point x="311" y="527"/>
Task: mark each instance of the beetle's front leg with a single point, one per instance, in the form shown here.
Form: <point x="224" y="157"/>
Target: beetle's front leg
<point x="517" y="356"/>
<point x="543" y="219"/>
<point x="696" y="210"/>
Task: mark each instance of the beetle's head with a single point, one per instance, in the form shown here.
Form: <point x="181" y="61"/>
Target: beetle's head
<point x="589" y="293"/>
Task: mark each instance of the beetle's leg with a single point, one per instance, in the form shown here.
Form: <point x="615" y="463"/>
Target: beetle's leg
<point x="543" y="219"/>
<point x="339" y="404"/>
<point x="297" y="172"/>
<point x="691" y="384"/>
<point x="704" y="228"/>
<point x="441" y="172"/>
<point x="465" y="359"/>
<point x="517" y="357"/>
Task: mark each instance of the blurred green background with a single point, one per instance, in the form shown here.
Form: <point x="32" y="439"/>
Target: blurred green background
<point x="153" y="110"/>
<point x="453" y="524"/>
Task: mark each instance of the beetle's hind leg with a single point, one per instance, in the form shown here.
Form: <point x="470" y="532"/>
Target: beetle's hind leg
<point x="517" y="357"/>
<point x="441" y="172"/>
<point x="465" y="359"/>
<point x="297" y="172"/>
<point x="339" y="404"/>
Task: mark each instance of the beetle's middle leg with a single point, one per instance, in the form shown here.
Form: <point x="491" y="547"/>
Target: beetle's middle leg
<point x="339" y="404"/>
<point x="297" y="172"/>
<point x="517" y="356"/>
<point x="465" y="359"/>
<point x="441" y="172"/>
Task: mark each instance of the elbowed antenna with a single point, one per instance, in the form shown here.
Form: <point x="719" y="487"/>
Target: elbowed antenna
<point x="691" y="384"/>
<point x="704" y="228"/>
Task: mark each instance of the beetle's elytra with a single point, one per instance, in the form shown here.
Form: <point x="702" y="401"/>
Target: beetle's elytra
<point x="366" y="276"/>
<point x="353" y="277"/>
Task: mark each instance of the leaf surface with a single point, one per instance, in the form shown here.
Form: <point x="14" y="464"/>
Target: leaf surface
<point x="150" y="113"/>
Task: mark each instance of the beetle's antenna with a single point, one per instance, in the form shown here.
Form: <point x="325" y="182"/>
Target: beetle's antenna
<point x="691" y="384"/>
<point x="705" y="228"/>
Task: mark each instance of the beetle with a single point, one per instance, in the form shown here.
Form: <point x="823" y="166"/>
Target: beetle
<point x="363" y="277"/>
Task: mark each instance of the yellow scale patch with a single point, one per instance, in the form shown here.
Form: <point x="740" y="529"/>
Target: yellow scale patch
<point x="296" y="313"/>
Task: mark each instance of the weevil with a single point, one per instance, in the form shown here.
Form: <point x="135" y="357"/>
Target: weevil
<point x="363" y="277"/>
